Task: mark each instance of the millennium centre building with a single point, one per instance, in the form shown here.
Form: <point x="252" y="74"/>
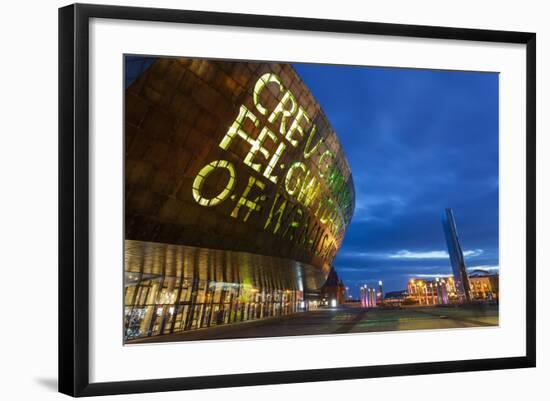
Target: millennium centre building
<point x="237" y="194"/>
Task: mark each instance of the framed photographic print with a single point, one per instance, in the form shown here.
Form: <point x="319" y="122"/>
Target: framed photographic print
<point x="250" y="199"/>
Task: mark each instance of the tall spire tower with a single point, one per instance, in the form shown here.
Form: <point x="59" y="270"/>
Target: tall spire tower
<point x="456" y="256"/>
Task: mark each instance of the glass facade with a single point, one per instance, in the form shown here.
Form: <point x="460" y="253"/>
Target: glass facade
<point x="163" y="305"/>
<point x="174" y="288"/>
<point x="234" y="168"/>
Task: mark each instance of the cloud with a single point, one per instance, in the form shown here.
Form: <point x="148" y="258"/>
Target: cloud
<point x="360" y="269"/>
<point x="473" y="253"/>
<point x="406" y="254"/>
<point x="360" y="254"/>
<point x="484" y="267"/>
<point x="417" y="141"/>
<point x="487" y="268"/>
<point x="374" y="207"/>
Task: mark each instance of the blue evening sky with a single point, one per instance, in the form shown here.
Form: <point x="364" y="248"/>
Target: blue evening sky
<point x="418" y="141"/>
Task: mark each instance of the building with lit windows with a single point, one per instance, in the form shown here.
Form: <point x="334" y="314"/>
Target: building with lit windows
<point x="442" y="290"/>
<point x="484" y="285"/>
<point x="237" y="194"/>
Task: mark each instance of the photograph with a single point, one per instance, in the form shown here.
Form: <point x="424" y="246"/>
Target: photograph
<point x="277" y="199"/>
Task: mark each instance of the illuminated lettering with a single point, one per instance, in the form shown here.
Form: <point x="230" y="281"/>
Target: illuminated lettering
<point x="308" y="233"/>
<point x="259" y="87"/>
<point x="314" y="203"/>
<point x="285" y="112"/>
<point x="324" y="246"/>
<point x="307" y="152"/>
<point x="309" y="189"/>
<point x="198" y="183"/>
<point x="325" y="154"/>
<point x="235" y="128"/>
<point x="321" y="244"/>
<point x="257" y="147"/>
<point x="294" y="224"/>
<point x="336" y="222"/>
<point x="295" y="126"/>
<point x="330" y="249"/>
<point x="273" y="162"/>
<point x="325" y="216"/>
<point x="302" y="238"/>
<point x="251" y="205"/>
<point x="322" y="201"/>
<point x="335" y="182"/>
<point x="316" y="238"/>
<point x="290" y="174"/>
<point x="278" y="214"/>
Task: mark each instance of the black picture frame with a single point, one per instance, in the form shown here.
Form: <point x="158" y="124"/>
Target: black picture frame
<point x="74" y="198"/>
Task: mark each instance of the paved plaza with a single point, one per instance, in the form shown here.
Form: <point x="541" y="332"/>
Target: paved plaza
<point x="345" y="319"/>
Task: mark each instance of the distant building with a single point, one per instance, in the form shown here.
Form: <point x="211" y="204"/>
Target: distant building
<point x="456" y="257"/>
<point x="442" y="290"/>
<point x="395" y="298"/>
<point x="333" y="292"/>
<point x="484" y="285"/>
